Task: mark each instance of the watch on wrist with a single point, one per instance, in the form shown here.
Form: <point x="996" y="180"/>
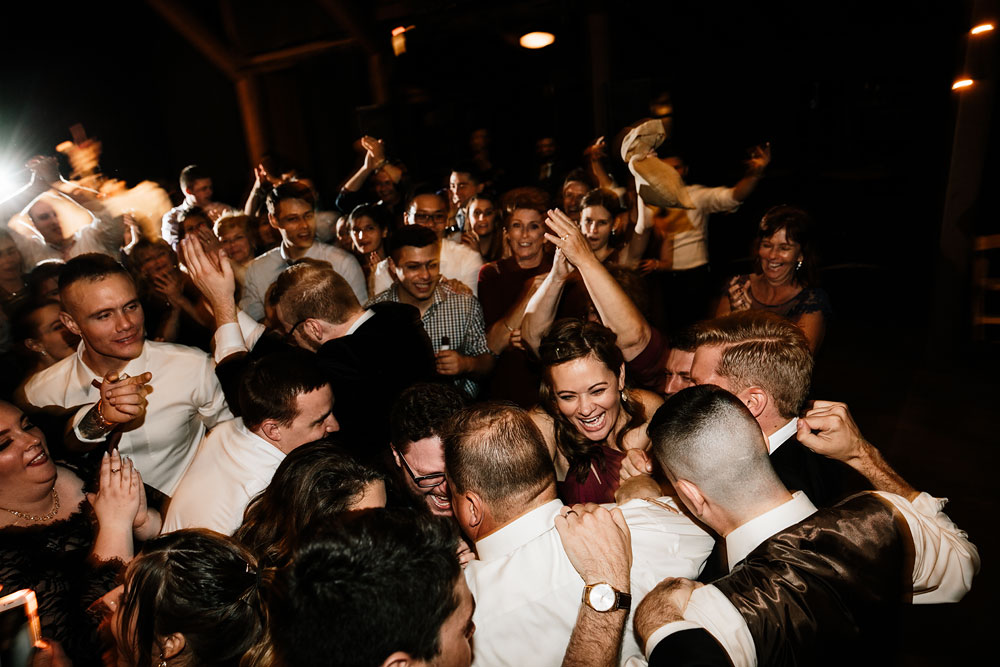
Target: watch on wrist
<point x="603" y="597"/>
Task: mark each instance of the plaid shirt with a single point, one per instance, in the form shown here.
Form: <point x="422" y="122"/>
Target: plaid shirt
<point x="457" y="316"/>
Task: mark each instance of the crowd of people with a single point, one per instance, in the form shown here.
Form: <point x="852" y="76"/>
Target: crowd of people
<point x="471" y="421"/>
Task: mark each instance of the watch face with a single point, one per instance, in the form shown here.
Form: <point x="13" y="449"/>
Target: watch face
<point x="602" y="597"/>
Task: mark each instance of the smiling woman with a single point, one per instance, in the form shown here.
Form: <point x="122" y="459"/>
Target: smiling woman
<point x="588" y="415"/>
<point x="48" y="540"/>
<point x="784" y="277"/>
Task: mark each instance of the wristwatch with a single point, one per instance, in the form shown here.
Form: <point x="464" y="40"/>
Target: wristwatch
<point x="603" y="597"/>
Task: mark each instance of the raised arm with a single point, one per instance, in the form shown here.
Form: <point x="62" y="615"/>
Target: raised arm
<point x="44" y="172"/>
<point x="760" y="157"/>
<point x="616" y="310"/>
<point x="540" y="311"/>
<point x="374" y="160"/>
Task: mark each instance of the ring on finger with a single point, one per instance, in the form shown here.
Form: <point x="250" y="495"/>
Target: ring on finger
<point x="114" y="470"/>
<point x="568" y="512"/>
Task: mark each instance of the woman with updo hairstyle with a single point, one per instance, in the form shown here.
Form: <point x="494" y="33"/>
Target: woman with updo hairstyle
<point x="314" y="484"/>
<point x="588" y="414"/>
<point x="783" y="280"/>
<point x="192" y="598"/>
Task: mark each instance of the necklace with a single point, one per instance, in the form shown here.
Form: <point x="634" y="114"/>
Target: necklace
<point x="33" y="517"/>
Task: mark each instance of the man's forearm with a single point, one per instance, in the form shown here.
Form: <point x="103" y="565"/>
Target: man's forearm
<point x="597" y="638"/>
<point x="875" y="469"/>
<point x="746" y="185"/>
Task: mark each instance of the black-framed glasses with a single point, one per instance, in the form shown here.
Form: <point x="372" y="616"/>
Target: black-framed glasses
<point x="424" y="481"/>
<point x="421" y="218"/>
<point x="290" y="336"/>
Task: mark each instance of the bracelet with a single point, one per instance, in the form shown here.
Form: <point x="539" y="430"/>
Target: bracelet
<point x="381" y="164"/>
<point x="104" y="423"/>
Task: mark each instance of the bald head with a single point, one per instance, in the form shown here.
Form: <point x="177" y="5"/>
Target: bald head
<point x="705" y="435"/>
<point x="497" y="452"/>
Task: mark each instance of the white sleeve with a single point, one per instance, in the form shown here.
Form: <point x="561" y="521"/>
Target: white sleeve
<point x="252" y="302"/>
<point x="238" y="336"/>
<point x="713" y="200"/>
<point x="708" y="608"/>
<point x="383" y="280"/>
<point x="212" y="401"/>
<point x="944" y="559"/>
<point x="350" y="270"/>
<point x="104" y="230"/>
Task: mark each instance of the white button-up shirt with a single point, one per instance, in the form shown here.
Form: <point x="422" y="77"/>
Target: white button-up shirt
<point x="232" y="466"/>
<point x="186" y="398"/>
<point x="265" y="270"/>
<point x="528" y="593"/>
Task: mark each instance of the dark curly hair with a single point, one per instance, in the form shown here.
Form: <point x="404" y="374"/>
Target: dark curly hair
<point x="571" y="339"/>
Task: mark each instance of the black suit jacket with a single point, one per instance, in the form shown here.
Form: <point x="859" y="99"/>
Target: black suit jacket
<point x="695" y="647"/>
<point x="368" y="370"/>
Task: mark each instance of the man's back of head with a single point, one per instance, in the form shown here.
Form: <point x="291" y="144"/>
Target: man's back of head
<point x="385" y="583"/>
<point x="312" y="289"/>
<point x="704" y="435"/>
<point x="494" y="451"/>
<point x="764" y="350"/>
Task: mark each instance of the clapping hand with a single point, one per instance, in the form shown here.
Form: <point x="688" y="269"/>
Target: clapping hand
<point x="120" y="493"/>
<point x="374" y="152"/>
<point x="760" y="157"/>
<point x="566" y="236"/>
<point x="739" y="294"/>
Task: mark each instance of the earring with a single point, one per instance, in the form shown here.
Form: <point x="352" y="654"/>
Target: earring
<point x="163" y="661"/>
<point x="624" y="399"/>
<point x="799" y="265"/>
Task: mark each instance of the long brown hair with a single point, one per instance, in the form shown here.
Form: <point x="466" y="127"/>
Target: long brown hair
<point x="571" y="339"/>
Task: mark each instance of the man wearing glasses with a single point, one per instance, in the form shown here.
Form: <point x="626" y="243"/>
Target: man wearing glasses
<point x="458" y="262"/>
<point x="415" y="427"/>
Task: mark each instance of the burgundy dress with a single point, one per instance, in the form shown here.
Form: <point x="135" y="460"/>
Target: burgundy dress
<point x="599" y="485"/>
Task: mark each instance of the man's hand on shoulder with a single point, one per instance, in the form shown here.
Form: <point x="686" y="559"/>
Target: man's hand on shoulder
<point x="598" y="543"/>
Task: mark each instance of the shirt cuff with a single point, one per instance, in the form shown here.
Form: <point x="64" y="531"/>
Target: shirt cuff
<point x="228" y="340"/>
<point x="665" y="631"/>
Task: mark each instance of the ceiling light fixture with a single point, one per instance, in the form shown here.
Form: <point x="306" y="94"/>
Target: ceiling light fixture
<point x="537" y="40"/>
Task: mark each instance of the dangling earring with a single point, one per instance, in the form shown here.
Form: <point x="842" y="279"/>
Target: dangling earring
<point x="163" y="661"/>
<point x="799" y="265"/>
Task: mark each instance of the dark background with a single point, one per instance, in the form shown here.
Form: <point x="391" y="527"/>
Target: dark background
<point x="855" y="98"/>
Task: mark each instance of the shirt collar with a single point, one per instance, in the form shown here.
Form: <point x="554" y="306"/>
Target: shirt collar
<point x="358" y="322"/>
<point x="750" y="535"/>
<point x="782" y="435"/>
<point x="288" y="260"/>
<point x="519" y="532"/>
<point x="84" y="374"/>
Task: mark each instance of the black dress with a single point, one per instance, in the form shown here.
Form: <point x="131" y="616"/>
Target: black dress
<point x="54" y="561"/>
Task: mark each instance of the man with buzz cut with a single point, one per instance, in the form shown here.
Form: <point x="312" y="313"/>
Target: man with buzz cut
<point x="527" y="590"/>
<point x="114" y="359"/>
<point x="806" y="586"/>
<point x="291" y="209"/>
<point x="285" y="402"/>
<point x="453" y="320"/>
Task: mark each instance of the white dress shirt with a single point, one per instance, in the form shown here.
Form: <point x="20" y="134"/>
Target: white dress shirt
<point x="186" y="398"/>
<point x="231" y="467"/>
<point x="458" y="262"/>
<point x="782" y="435"/>
<point x="105" y="234"/>
<point x="528" y="593"/>
<point x="690" y="242"/>
<point x="943" y="566"/>
<point x="265" y="269"/>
